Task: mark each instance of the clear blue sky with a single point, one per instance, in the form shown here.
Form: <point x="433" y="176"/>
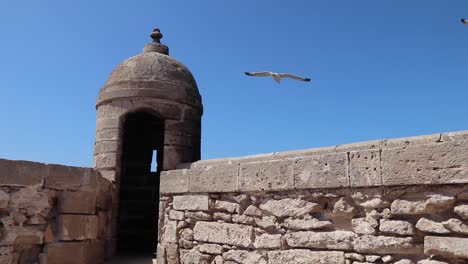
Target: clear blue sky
<point x="380" y="69"/>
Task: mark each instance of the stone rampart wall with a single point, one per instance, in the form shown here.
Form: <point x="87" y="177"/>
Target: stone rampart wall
<point x="389" y="201"/>
<point x="53" y="214"/>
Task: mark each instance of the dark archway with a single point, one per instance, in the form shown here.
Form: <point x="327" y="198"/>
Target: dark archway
<point x="143" y="145"/>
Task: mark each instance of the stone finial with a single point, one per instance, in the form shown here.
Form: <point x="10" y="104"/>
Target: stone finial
<point x="156" y="45"/>
<point x="156" y="35"/>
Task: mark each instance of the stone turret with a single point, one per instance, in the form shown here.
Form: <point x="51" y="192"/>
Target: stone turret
<point x="148" y="120"/>
<point x="156" y="84"/>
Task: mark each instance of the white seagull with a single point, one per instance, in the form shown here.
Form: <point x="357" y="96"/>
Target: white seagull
<point x="277" y="76"/>
<point x="464" y="21"/>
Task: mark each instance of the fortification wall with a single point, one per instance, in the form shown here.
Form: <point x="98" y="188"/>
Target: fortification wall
<point x="53" y="214"/>
<point x="388" y="201"/>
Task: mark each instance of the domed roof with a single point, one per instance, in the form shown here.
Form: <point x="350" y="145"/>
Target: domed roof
<point x="151" y="74"/>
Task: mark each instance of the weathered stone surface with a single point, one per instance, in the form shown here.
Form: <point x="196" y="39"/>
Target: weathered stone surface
<point x="21" y="173"/>
<point x="170" y="232"/>
<point x="210" y="249"/>
<point x="305" y="224"/>
<point x="77" y="202"/>
<point x="341" y="240"/>
<point x="267" y="241"/>
<point x="321" y="171"/>
<point x="253" y="210"/>
<point x="404" y="261"/>
<point x="355" y="256"/>
<point x="198" y="216"/>
<point x="435" y="203"/>
<point x="104" y="225"/>
<point x="431" y="261"/>
<point x="226" y="206"/>
<point x="191" y="202"/>
<point x="364" y="168"/>
<point x="4" y="199"/>
<point x="266" y="176"/>
<point x="437" y="163"/>
<point x="77" y="227"/>
<point x="372" y="258"/>
<point x="176" y="215"/>
<point x="193" y="256"/>
<point x="223" y="178"/>
<point x="343" y="207"/>
<point x="462" y="211"/>
<point x="456" y="226"/>
<point x="21" y="236"/>
<point x="243" y="219"/>
<point x="105" y="160"/>
<point x="224" y="233"/>
<point x="69" y="252"/>
<point x="301" y="256"/>
<point x="430" y="226"/>
<point x="267" y="222"/>
<point x="386" y="245"/>
<point x="450" y="247"/>
<point x="245" y="257"/>
<point x="396" y="227"/>
<point x="172" y="254"/>
<point x="222" y="216"/>
<point x="289" y="207"/>
<point x="31" y="200"/>
<point x="365" y="225"/>
<point x="70" y="178"/>
<point x="174" y="181"/>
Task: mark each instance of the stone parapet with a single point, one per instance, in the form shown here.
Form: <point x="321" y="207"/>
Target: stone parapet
<point x="423" y="160"/>
<point x="54" y="213"/>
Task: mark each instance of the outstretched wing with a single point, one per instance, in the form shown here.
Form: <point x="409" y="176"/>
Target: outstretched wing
<point x="464" y="21"/>
<point x="288" y="75"/>
<point x="258" y="74"/>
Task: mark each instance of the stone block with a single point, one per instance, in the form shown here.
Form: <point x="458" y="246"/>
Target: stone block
<point x="22" y="173"/>
<point x="244" y="256"/>
<point x="266" y="176"/>
<point x="435" y="203"/>
<point x="321" y="171"/>
<point x="77" y="227"/>
<point x="267" y="241"/>
<point x="437" y="163"/>
<point x="302" y="256"/>
<point x="429" y="226"/>
<point x="364" y="168"/>
<point x="398" y="227"/>
<point x="22" y="236"/>
<point x="4" y="199"/>
<point x="224" y="233"/>
<point x="305" y="224"/>
<point x="289" y="207"/>
<point x="107" y="123"/>
<point x="105" y="193"/>
<point x="386" y="245"/>
<point x="365" y="225"/>
<point x="174" y="181"/>
<point x="449" y="247"/>
<point x="193" y="202"/>
<point x="32" y="201"/>
<point x="170" y="233"/>
<point x="193" y="256"/>
<point x="212" y="249"/>
<point x="106" y="146"/>
<point x="108" y="134"/>
<point x="341" y="240"/>
<point x="105" y="160"/>
<point x="462" y="211"/>
<point x="77" y="202"/>
<point x="67" y="252"/>
<point x="104" y="225"/>
<point x="70" y="178"/>
<point x="221" y="178"/>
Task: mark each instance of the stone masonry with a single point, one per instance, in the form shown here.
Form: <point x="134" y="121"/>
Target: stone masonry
<point x="53" y="214"/>
<point x="390" y="201"/>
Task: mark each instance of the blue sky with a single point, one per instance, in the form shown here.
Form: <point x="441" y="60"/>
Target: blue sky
<point x="380" y="69"/>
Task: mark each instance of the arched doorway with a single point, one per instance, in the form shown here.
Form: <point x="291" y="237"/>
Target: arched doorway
<point x="141" y="164"/>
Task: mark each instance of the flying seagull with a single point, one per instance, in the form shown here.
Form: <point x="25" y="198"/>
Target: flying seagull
<point x="277" y="76"/>
<point x="464" y="21"/>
